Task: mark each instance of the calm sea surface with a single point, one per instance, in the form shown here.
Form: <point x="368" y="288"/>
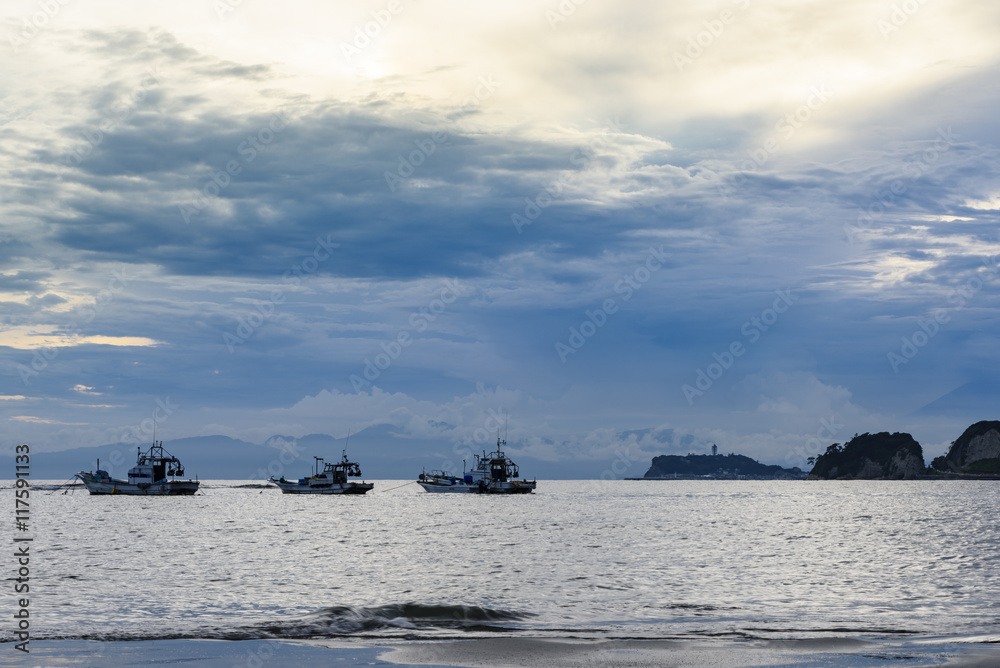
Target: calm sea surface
<point x="674" y="559"/>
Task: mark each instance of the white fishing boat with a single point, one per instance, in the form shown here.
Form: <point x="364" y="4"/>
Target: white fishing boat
<point x="493" y="473"/>
<point x="327" y="479"/>
<point x="156" y="473"/>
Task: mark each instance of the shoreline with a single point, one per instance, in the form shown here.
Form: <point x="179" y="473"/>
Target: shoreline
<point x="503" y="652"/>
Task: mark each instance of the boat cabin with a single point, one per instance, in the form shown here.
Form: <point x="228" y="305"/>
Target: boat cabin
<point x="326" y="474"/>
<point x="154" y="466"/>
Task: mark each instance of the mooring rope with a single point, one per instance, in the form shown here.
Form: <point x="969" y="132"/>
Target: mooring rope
<point x="412" y="482"/>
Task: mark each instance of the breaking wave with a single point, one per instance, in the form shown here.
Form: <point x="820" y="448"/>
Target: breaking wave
<point x="402" y="620"/>
<point x="349" y="619"/>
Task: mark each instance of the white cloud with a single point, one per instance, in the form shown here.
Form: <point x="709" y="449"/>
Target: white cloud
<point x="49" y="336"/>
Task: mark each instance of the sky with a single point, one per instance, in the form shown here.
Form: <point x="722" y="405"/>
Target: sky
<point x="627" y="228"/>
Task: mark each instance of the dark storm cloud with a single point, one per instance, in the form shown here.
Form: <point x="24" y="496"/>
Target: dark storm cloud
<point x="341" y="173"/>
<point x="48" y="299"/>
<point x="22" y="281"/>
<point x="405" y="192"/>
<point x="11" y="248"/>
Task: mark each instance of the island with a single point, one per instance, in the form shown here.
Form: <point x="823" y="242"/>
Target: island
<point x="716" y="467"/>
<point x="881" y="456"/>
<point x="977" y="451"/>
<point x="975" y="455"/>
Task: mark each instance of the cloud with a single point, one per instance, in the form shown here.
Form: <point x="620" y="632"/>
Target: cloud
<point x="31" y="338"/>
<point x="38" y="420"/>
<point x="173" y="185"/>
<point x="22" y="281"/>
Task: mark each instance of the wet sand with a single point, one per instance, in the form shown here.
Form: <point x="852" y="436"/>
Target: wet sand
<point x="187" y="653"/>
<point x="509" y="652"/>
<point x="820" y="653"/>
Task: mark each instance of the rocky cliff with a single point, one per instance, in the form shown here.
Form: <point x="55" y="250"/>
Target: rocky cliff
<point x="977" y="450"/>
<point x="881" y="456"/>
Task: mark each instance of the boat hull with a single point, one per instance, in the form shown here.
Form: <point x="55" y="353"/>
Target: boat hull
<point x="167" y="488"/>
<point x="519" y="487"/>
<point x="336" y="488"/>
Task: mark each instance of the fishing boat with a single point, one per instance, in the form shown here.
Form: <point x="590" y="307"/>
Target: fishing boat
<point x="327" y="478"/>
<point x="156" y="473"/>
<point x="493" y="473"/>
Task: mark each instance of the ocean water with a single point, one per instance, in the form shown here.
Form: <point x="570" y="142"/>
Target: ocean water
<point x="577" y="559"/>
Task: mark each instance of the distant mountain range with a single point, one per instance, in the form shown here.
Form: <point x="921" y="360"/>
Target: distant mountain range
<point x="382" y="454"/>
<point x="975" y="397"/>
